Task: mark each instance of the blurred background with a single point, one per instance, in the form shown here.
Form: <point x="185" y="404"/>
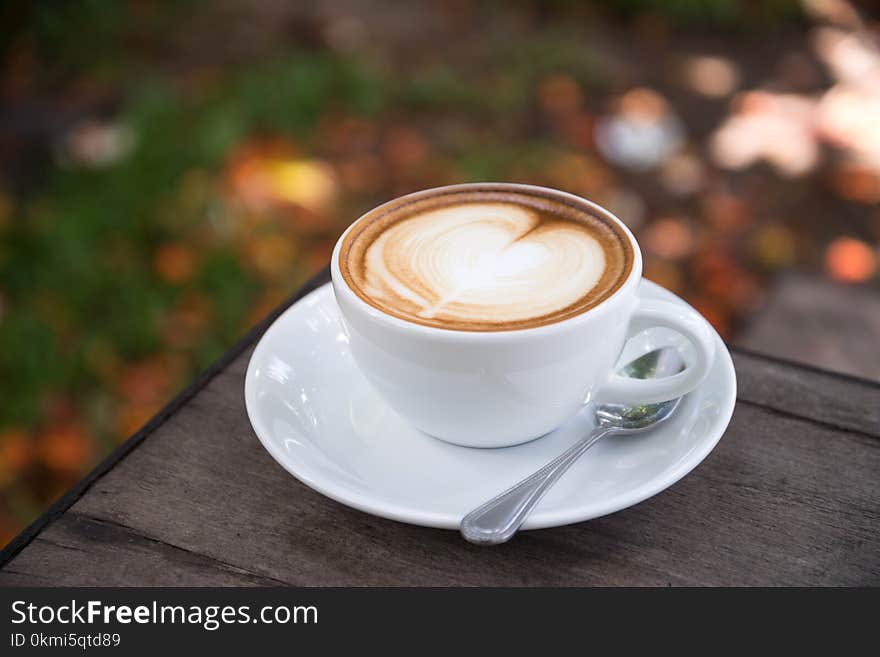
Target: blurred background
<point x="170" y="172"/>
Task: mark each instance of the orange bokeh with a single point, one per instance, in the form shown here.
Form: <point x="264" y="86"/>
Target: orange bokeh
<point x="149" y="381"/>
<point x="16" y="450"/>
<point x="559" y="94"/>
<point x="850" y="260"/>
<point x="130" y="417"/>
<point x="857" y="183"/>
<point x="669" y="237"/>
<point x="66" y="446"/>
<point x="405" y="148"/>
<point x="174" y="263"/>
<point x="187" y="321"/>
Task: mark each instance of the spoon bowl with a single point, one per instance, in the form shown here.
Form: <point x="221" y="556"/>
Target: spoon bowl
<point x="632" y="419"/>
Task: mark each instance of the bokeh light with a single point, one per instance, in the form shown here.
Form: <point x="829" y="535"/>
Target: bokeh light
<point x="850" y="260"/>
<point x="776" y="128"/>
<point x="642" y="130"/>
<point x="670" y="238"/>
<point x="714" y="77"/>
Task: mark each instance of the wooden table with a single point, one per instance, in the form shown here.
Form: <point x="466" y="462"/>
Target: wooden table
<point x="791" y="495"/>
<point x="838" y="325"/>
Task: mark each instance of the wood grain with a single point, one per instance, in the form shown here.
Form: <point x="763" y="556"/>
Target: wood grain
<point x="789" y="496"/>
<point x="810" y="318"/>
<point x="69" y="552"/>
<point x="828" y="398"/>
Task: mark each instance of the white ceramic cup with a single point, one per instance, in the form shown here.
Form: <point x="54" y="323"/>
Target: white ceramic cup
<point x="502" y="388"/>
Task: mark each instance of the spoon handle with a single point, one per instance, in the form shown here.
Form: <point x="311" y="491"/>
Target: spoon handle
<point x="498" y="520"/>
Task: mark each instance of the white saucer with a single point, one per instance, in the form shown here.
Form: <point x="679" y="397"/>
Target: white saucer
<point x="319" y="418"/>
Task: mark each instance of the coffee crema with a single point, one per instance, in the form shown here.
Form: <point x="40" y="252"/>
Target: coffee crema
<point x="485" y="257"/>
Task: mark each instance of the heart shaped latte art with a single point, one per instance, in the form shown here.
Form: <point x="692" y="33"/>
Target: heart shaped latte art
<point x="482" y="262"/>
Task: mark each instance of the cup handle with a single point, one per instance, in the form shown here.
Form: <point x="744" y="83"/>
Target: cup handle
<point x="682" y="320"/>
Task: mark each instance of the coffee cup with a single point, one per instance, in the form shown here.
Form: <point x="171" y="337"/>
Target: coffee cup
<point x="487" y="314"/>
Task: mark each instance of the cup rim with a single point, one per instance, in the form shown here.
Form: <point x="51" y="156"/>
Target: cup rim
<point x="341" y="286"/>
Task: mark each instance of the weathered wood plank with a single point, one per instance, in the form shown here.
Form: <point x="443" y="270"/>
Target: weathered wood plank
<point x="824" y="397"/>
<point x="813" y="320"/>
<point x="80" y="551"/>
<point x="782" y="500"/>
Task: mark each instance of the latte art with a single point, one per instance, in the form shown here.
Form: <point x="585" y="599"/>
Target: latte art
<point x="483" y="262"/>
<point x="471" y="262"/>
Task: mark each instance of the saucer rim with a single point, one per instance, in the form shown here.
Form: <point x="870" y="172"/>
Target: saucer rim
<point x="539" y="519"/>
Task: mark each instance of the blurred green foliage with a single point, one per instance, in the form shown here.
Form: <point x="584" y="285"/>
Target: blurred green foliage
<point x="83" y="247"/>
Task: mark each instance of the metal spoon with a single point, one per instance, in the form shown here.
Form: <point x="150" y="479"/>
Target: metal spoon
<point x="500" y="518"/>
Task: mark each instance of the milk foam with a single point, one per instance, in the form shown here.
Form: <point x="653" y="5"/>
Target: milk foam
<point x="481" y="262"/>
